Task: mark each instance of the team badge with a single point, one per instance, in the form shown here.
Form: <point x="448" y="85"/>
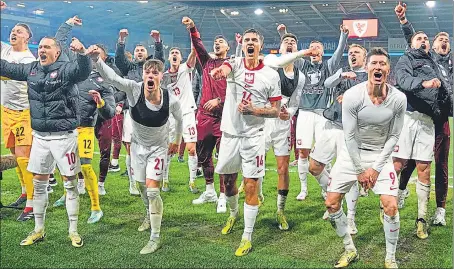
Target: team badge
<point x="249" y="78"/>
<point x="53" y="74"/>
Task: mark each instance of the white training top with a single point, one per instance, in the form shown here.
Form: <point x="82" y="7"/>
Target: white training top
<point x="144" y="135"/>
<point x="372" y="127"/>
<point x="259" y="85"/>
<point x="14" y="93"/>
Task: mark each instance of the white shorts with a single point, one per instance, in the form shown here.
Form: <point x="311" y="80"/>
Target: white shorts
<point x="147" y="162"/>
<point x="189" y="128"/>
<point x="242" y="153"/>
<point x="329" y="144"/>
<point x="343" y="175"/>
<point x="309" y="127"/>
<point x="277" y="135"/>
<point x="64" y="153"/>
<point x="127" y="127"/>
<point x="417" y="139"/>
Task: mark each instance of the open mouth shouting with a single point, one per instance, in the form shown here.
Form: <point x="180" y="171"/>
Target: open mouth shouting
<point x="444" y="47"/>
<point x="377" y="76"/>
<point x="423" y="46"/>
<point x="289" y="49"/>
<point x="43" y="57"/>
<point x="217" y="48"/>
<point x="250" y="51"/>
<point x="150" y="84"/>
<point x="353" y="60"/>
<point x="13" y="38"/>
<point x="174" y="59"/>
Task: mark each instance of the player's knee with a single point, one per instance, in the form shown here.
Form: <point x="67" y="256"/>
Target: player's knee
<point x="333" y="205"/>
<point x="304" y="153"/>
<point x="282" y="169"/>
<point x="423" y="168"/>
<point x="390" y="207"/>
<point x="250" y="187"/>
<point x="315" y="167"/>
<point x="229" y="186"/>
<point x="70" y="187"/>
<point x="85" y="161"/>
<point x="191" y="151"/>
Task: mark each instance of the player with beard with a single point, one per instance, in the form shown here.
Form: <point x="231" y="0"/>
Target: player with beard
<point x="314" y="101"/>
<point x="55" y="115"/>
<point x="16" y="122"/>
<point x="331" y="139"/>
<point x="441" y="54"/>
<point x="277" y="131"/>
<point x="426" y="89"/>
<point x="209" y="113"/>
<point x="251" y="86"/>
<point x="372" y="117"/>
<point x="178" y="81"/>
<point x="150" y="106"/>
<point x="133" y="70"/>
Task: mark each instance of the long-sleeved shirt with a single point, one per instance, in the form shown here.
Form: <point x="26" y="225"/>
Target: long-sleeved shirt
<point x="372" y="127"/>
<point x="145" y="135"/>
<point x="211" y="88"/>
<point x="14" y="93"/>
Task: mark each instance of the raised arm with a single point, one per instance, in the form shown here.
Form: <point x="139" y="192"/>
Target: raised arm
<point x="334" y="80"/>
<point x="239" y="45"/>
<point x="405" y="25"/>
<point x="334" y="61"/>
<point x="123" y="64"/>
<point x="158" y="47"/>
<point x="109" y="75"/>
<point x="192" y="58"/>
<point x="282" y="61"/>
<point x="78" y="70"/>
<point x="202" y="53"/>
<point x="14" y="71"/>
<point x="63" y="33"/>
<point x="395" y="129"/>
<point x="350" y="125"/>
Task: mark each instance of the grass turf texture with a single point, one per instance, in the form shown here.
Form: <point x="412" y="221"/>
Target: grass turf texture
<point x="191" y="235"/>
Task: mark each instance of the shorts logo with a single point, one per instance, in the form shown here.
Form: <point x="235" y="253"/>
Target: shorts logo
<point x="259" y="171"/>
<point x="158" y="174"/>
<point x="391" y="230"/>
<point x="131" y="171"/>
<point x="72" y="168"/>
<point x="329" y="181"/>
<point x="299" y="142"/>
<point x="396" y="148"/>
<point x="249" y="78"/>
<point x="392" y="188"/>
<point x="86" y="152"/>
<point x="53" y="74"/>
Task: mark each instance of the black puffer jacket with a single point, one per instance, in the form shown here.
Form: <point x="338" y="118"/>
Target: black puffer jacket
<point x="412" y="69"/>
<point x="52" y="91"/>
<point x="89" y="111"/>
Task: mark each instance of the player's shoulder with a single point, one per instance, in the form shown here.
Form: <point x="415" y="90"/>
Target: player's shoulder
<point x="356" y="90"/>
<point x="396" y="94"/>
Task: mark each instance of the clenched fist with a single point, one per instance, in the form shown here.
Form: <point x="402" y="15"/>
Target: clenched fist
<point x="77" y="46"/>
<point x="218" y="73"/>
<point x="349" y="75"/>
<point x="123" y="34"/>
<point x="188" y="22"/>
<point x="2" y="5"/>
<point x="75" y="21"/>
<point x="400" y="10"/>
<point x="434" y="83"/>
<point x="343" y="29"/>
<point x="155" y="35"/>
<point x="93" y="52"/>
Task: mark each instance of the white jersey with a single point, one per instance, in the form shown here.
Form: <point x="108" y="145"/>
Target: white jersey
<point x="372" y="127"/>
<point x="179" y="85"/>
<point x="14" y="93"/>
<point x="259" y="85"/>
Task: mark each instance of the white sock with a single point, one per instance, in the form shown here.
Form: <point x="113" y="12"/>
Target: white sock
<point x="260" y="185"/>
<point x="81" y="181"/>
<point x="222" y="196"/>
<point x="352" y="198"/>
<point x="210" y="188"/>
<point x="281" y="199"/>
<point x="24" y="191"/>
<point x="114" y="162"/>
<point x="156" y="208"/>
<point x="165" y="174"/>
<point x="391" y="225"/>
<point x="323" y="179"/>
<point x="143" y="194"/>
<point x="303" y="169"/>
<point x="72" y="204"/>
<point x="40" y="202"/>
<point x="250" y="214"/>
<point x="101" y="184"/>
<point x="29" y="203"/>
<point x="339" y="222"/>
<point x="192" y="165"/>
<point x="423" y="193"/>
<point x="128" y="167"/>
<point x="233" y="203"/>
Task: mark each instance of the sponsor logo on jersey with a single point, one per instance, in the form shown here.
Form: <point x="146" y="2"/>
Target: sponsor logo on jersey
<point x="396" y="148"/>
<point x="249" y="78"/>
